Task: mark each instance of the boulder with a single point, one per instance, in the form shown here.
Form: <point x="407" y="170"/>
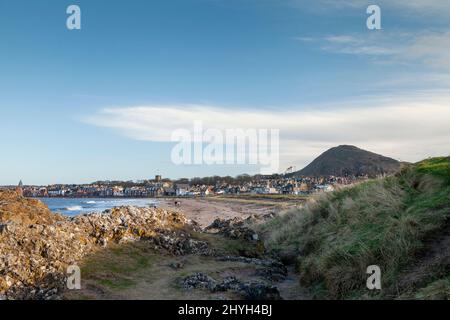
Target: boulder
<point x="234" y="229"/>
<point x="248" y="290"/>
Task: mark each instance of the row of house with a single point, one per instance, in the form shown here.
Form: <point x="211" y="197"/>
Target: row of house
<point x="159" y="188"/>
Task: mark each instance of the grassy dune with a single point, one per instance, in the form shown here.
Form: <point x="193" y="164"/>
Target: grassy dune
<point x="400" y="223"/>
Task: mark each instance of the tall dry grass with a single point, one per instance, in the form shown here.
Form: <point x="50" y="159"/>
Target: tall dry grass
<point x="336" y="236"/>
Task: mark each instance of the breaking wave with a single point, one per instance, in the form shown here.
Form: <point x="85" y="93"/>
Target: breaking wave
<point x="74" y="208"/>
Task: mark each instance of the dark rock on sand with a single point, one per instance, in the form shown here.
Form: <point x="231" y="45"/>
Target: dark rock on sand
<point x="248" y="290"/>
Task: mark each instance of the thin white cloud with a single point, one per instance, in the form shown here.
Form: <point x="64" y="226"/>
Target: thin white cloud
<point x="406" y="130"/>
<point x="346" y="39"/>
<point x="416" y="5"/>
<point x="432" y="48"/>
<point x="435" y="7"/>
<point x="426" y="49"/>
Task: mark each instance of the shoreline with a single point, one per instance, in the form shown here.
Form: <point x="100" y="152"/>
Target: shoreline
<point x="205" y="210"/>
<point x="202" y="210"/>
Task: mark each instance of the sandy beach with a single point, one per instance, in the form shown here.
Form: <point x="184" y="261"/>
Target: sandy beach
<point x="206" y="210"/>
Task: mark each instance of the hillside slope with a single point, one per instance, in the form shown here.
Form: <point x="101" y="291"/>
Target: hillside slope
<point x="349" y="160"/>
<point x="400" y="223"/>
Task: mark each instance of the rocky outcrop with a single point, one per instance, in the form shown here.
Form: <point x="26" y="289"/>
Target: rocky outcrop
<point x="16" y="209"/>
<point x="248" y="290"/>
<point x="36" y="246"/>
<point x="233" y="228"/>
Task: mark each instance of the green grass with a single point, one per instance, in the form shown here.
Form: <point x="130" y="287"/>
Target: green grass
<point x="439" y="167"/>
<point x="437" y="290"/>
<point x="118" y="283"/>
<point x="381" y="222"/>
<point x="111" y="267"/>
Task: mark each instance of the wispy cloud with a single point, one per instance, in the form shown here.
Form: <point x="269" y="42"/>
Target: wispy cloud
<point x="416" y="5"/>
<point x="356" y="45"/>
<point x="406" y="130"/>
<point x="436" y="7"/>
<point x="428" y="49"/>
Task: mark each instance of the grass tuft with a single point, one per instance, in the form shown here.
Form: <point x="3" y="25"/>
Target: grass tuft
<point x="384" y="222"/>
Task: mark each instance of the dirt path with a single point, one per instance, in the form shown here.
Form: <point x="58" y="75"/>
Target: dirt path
<point x="290" y="288"/>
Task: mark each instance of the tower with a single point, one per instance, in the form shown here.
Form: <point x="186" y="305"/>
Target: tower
<point x="19" y="188"/>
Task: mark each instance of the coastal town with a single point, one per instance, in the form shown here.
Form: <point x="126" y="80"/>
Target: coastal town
<point x="196" y="187"/>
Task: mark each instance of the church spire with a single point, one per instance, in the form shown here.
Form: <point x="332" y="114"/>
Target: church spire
<point x="19" y="188"/>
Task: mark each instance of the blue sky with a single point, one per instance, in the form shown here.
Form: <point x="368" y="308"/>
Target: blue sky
<point x="69" y="99"/>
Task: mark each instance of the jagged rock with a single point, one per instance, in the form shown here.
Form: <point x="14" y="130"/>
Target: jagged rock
<point x="248" y="290"/>
<point x="176" y="265"/>
<point x="259" y="291"/>
<point x="5" y="227"/>
<point x="269" y="216"/>
<point x="234" y="229"/>
<point x="36" y="246"/>
<point x="199" y="281"/>
<point x="273" y="274"/>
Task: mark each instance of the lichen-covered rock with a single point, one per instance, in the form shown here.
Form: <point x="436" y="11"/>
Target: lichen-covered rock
<point x="259" y="291"/>
<point x="36" y="246"/>
<point x="248" y="290"/>
<point x="234" y="229"/>
<point x="31" y="210"/>
<point x="199" y="281"/>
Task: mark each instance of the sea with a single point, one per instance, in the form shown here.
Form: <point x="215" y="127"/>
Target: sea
<point x="77" y="206"/>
